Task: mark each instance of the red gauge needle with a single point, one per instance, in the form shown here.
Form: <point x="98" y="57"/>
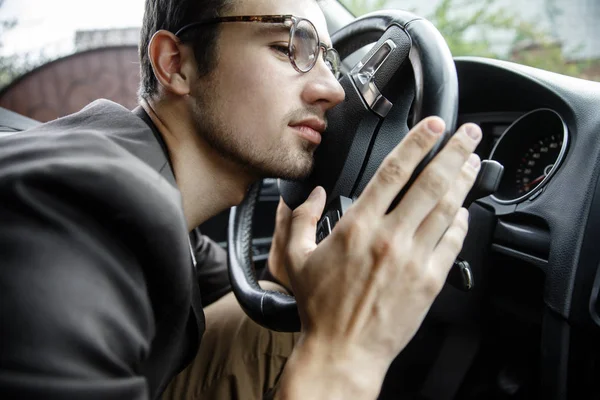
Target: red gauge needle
<point x="533" y="182"/>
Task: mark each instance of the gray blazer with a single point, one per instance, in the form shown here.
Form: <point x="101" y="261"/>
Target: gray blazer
<point x="98" y="295"/>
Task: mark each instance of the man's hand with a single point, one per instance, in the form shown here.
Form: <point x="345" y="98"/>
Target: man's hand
<point x="364" y="291"/>
<point x="277" y="256"/>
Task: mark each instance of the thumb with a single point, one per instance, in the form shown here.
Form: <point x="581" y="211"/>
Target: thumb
<point x="282" y="221"/>
<point x="304" y="225"/>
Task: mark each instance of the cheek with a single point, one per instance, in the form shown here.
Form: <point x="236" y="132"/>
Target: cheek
<point x="255" y="90"/>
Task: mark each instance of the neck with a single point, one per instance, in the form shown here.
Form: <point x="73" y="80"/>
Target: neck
<point x="208" y="182"/>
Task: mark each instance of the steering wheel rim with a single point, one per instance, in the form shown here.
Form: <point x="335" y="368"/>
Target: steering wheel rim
<point x="436" y="93"/>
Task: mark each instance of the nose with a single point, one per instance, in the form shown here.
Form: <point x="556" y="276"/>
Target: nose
<point x="322" y="88"/>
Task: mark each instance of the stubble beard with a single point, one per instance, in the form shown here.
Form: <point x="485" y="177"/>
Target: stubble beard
<point x="277" y="161"/>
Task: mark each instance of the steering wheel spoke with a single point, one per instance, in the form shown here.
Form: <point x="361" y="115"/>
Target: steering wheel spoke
<point x="378" y="66"/>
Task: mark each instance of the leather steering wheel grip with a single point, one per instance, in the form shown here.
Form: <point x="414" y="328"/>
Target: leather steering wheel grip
<point x="273" y="310"/>
<point x="436" y="93"/>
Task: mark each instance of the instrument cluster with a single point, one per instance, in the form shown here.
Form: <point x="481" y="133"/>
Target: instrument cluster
<point x="531" y="150"/>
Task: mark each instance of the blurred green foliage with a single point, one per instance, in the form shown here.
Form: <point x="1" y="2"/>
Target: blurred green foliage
<point x="471" y="26"/>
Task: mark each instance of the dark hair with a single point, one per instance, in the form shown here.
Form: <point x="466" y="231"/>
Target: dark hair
<point x="171" y="15"/>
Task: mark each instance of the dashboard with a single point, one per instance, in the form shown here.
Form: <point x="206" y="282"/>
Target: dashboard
<point x="533" y="243"/>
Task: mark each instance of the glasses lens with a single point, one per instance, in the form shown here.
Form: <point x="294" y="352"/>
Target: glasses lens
<point x="332" y="59"/>
<point x="305" y="45"/>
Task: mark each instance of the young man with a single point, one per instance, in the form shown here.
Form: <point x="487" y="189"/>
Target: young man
<point x="98" y="289"/>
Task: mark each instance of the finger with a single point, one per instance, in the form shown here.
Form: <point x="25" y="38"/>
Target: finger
<point x="437" y="222"/>
<point x="303" y="227"/>
<point x="276" y="258"/>
<point x="397" y="168"/>
<point x="449" y="247"/>
<point x="435" y="180"/>
<point x="283" y="218"/>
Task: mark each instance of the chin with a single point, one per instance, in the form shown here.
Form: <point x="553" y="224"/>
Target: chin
<point x="290" y="174"/>
<point x="287" y="161"/>
<point x="291" y="169"/>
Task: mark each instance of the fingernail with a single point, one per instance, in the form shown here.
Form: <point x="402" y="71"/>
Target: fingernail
<point x="474" y="161"/>
<point x="436" y="126"/>
<point x="473" y="131"/>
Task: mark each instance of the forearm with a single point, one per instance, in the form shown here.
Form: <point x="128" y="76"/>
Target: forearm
<point x="319" y="371"/>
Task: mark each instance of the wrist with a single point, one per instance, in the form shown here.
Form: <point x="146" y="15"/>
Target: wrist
<point x="318" y="370"/>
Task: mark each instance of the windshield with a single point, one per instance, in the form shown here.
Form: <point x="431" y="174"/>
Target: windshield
<point x="556" y="35"/>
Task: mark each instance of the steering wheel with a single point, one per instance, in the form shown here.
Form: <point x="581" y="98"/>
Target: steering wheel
<point x="408" y="74"/>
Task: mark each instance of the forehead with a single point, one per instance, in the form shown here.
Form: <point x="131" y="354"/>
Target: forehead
<point x="308" y="9"/>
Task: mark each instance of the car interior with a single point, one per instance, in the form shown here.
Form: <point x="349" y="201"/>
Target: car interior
<point x="519" y="317"/>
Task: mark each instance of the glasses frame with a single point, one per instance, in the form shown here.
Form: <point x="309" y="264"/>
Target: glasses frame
<point x="278" y="19"/>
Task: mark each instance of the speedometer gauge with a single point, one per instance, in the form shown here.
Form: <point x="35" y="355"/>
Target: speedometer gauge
<point x="531" y="150"/>
<point x="536" y="163"/>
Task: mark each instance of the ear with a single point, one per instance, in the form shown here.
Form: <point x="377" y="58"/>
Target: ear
<point x="169" y="58"/>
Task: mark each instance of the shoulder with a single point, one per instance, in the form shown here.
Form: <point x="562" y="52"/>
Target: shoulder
<point x="79" y="152"/>
<point x="92" y="241"/>
<point x="77" y="167"/>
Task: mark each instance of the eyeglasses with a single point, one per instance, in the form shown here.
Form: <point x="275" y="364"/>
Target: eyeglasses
<point x="304" y="45"/>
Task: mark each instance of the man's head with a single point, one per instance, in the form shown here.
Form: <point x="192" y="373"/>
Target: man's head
<point x="244" y="98"/>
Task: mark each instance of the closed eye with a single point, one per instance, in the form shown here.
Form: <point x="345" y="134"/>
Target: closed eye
<point x="283" y="49"/>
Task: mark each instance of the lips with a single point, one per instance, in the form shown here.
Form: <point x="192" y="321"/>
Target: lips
<point x="310" y="129"/>
<point x="313" y="123"/>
